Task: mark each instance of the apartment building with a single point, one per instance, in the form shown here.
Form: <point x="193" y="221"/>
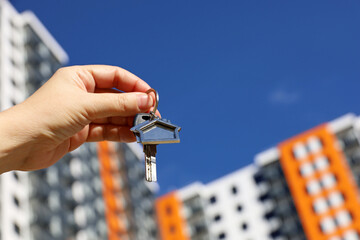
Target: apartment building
<point x="307" y="187"/>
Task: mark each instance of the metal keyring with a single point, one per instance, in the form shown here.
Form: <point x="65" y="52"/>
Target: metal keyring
<point x="156" y="101"/>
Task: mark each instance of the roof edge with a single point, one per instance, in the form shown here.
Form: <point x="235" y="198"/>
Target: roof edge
<point x="30" y="18"/>
<point x="266" y="157"/>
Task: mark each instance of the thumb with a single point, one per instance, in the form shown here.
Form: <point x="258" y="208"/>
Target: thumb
<point x="101" y="105"/>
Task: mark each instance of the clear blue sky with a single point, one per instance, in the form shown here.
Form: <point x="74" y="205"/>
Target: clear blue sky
<point x="237" y="76"/>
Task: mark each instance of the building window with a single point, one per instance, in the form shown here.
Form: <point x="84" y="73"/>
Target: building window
<point x="168" y="210"/>
<point x="239" y="208"/>
<point x="13" y="102"/>
<point x="153" y="232"/>
<point x="328" y="181"/>
<point x="222" y="235"/>
<point x="327" y="225"/>
<point x="16" y="176"/>
<point x="172" y="229"/>
<point x="13" y="24"/>
<point x="217" y="218"/>
<point x="234" y="190"/>
<point x="13" y="43"/>
<point x="16" y="201"/>
<point x="17" y="228"/>
<point x="313" y="187"/>
<point x="13" y="62"/>
<point x="320" y="205"/>
<point x="13" y="82"/>
<point x="212" y="199"/>
<point x="244" y="226"/>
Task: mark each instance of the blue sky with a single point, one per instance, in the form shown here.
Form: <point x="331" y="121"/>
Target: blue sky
<point x="237" y="76"/>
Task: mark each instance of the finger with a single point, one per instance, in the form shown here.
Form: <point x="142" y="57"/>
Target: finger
<point x="120" y="121"/>
<point x="106" y="90"/>
<point x="102" y="105"/>
<point x="114" y="77"/>
<point x="99" y="132"/>
<point x="102" y="90"/>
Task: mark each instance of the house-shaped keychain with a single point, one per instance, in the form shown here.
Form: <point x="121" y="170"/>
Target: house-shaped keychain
<point x="157" y="131"/>
<point x="150" y="130"/>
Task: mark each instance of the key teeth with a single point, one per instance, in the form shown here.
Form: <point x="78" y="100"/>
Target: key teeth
<point x="150" y="171"/>
<point x="150" y="163"/>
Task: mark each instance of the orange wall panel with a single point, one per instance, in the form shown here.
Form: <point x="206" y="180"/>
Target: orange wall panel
<point x="171" y="223"/>
<point x="304" y="201"/>
<point x="116" y="227"/>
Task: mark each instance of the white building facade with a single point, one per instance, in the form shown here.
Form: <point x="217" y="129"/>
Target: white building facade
<point x="227" y="208"/>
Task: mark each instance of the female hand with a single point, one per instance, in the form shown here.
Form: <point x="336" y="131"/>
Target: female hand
<point x="78" y="104"/>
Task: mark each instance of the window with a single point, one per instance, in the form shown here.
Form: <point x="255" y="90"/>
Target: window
<point x="320" y="206"/>
<point x="239" y="208"/>
<point x="172" y="229"/>
<point x="13" y="102"/>
<point x="13" y="23"/>
<point x="328" y="181"/>
<point x="200" y="228"/>
<point x="321" y="163"/>
<point x="168" y="210"/>
<point x="327" y="225"/>
<point x="314" y="144"/>
<point x="16" y="201"/>
<point x="336" y="199"/>
<point x="343" y="218"/>
<point x="234" y="190"/>
<point x="13" y="62"/>
<point x="13" y="43"/>
<point x="217" y="218"/>
<point x="244" y="226"/>
<point x="17" y="228"/>
<point x="351" y="234"/>
<point x="212" y="199"/>
<point x="13" y="82"/>
<point x="306" y="169"/>
<point x="300" y="151"/>
<point x="222" y="235"/>
<point x="16" y="176"/>
<point x="313" y="187"/>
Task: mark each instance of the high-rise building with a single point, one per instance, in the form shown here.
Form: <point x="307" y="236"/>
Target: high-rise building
<point x="306" y="187"/>
<point x="97" y="191"/>
<point x="310" y="185"/>
<point x="29" y="56"/>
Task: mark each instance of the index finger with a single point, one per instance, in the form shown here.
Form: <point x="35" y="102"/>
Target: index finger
<point x="105" y="76"/>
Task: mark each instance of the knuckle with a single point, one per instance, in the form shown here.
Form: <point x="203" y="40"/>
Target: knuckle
<point x="122" y="103"/>
<point x="64" y="70"/>
<point x="60" y="71"/>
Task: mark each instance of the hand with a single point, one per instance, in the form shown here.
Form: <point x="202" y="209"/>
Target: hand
<point x="78" y="104"/>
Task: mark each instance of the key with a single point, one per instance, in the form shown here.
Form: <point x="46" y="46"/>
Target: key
<point x="150" y="130"/>
<point x="149" y="150"/>
<point x="150" y="162"/>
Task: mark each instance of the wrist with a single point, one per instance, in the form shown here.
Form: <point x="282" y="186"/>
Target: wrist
<point x="13" y="143"/>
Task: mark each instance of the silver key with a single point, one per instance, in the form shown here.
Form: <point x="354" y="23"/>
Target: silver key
<point x="150" y="130"/>
<point x="150" y="163"/>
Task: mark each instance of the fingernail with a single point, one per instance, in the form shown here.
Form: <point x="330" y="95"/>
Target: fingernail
<point x="143" y="101"/>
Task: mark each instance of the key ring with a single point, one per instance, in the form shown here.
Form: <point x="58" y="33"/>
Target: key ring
<point x="156" y="102"/>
